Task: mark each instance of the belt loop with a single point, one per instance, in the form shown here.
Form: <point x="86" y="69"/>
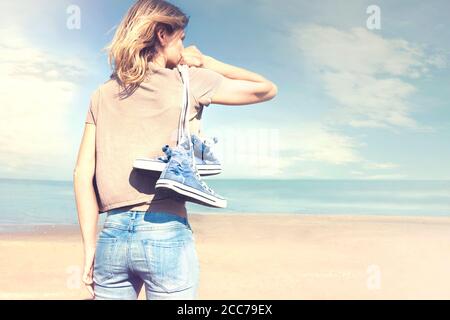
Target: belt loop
<point x="131" y="224"/>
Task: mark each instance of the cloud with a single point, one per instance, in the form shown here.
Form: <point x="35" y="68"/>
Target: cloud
<point x="359" y="51"/>
<point x="365" y="101"/>
<point x="311" y="150"/>
<point x="37" y="89"/>
<point x="318" y="143"/>
<point x="284" y="153"/>
<point x="366" y="74"/>
<point x="249" y="152"/>
<point x="370" y="166"/>
<point x="385" y="165"/>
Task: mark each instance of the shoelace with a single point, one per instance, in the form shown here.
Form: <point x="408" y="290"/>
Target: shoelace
<point x="168" y="152"/>
<point x="183" y="120"/>
<point x="204" y="185"/>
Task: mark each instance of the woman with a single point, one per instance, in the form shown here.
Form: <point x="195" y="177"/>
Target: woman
<point x="146" y="238"/>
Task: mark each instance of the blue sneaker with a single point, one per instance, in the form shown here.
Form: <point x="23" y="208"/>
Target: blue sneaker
<point x="157" y="164"/>
<point x="181" y="178"/>
<point x="205" y="160"/>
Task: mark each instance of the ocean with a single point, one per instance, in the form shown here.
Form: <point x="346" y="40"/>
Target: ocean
<point x="25" y="202"/>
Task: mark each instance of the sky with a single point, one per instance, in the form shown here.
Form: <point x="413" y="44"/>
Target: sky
<point x="363" y="91"/>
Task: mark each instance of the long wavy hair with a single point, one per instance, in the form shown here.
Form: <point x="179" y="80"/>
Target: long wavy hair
<point x="135" y="42"/>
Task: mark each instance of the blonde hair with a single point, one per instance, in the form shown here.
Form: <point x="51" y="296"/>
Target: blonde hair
<point x="135" y="42"/>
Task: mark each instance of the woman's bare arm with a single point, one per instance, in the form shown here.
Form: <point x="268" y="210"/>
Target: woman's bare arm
<point x="231" y="71"/>
<point x="87" y="206"/>
<point x="240" y="87"/>
<point x="85" y="197"/>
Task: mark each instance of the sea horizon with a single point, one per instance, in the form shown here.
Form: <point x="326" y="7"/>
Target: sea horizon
<point x="42" y="202"/>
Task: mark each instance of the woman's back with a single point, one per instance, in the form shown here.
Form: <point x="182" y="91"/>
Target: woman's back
<point x="138" y="125"/>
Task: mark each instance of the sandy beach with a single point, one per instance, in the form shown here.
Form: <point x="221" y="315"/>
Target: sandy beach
<point x="265" y="256"/>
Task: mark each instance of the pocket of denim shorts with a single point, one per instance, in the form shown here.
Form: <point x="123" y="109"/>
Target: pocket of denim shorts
<point x="173" y="265"/>
<point x="104" y="253"/>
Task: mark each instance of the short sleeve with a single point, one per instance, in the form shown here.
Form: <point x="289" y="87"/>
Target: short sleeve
<point x="91" y="116"/>
<point x="203" y="83"/>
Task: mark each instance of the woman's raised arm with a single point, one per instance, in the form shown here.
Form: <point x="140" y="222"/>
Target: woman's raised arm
<point x="240" y="86"/>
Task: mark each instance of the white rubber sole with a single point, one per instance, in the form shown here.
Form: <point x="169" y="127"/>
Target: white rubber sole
<point x="191" y="193"/>
<point x="154" y="165"/>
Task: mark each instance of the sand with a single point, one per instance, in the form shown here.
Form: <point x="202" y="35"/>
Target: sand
<point x="265" y="256"/>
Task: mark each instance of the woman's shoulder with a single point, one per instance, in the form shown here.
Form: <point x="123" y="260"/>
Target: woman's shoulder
<point x="109" y="86"/>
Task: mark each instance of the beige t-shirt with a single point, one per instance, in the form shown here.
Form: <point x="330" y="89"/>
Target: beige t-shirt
<point x="138" y="126"/>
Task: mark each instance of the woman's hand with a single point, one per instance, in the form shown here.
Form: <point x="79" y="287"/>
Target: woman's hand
<point x="88" y="270"/>
<point x="192" y="57"/>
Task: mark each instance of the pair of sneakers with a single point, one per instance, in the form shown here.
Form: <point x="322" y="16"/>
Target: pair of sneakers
<point x="181" y="169"/>
<point x="206" y="161"/>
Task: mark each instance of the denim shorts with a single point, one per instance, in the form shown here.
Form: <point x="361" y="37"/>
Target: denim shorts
<point x="155" y="249"/>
